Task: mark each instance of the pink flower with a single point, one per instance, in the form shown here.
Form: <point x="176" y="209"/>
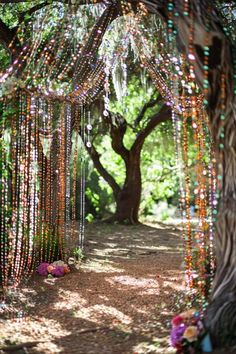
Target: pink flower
<point x="177" y="320"/>
<point x="50" y="268"/>
<point x="58" y="271"/>
<point x="42" y="269"/>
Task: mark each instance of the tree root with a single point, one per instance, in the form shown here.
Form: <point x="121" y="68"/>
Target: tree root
<point x="15" y="347"/>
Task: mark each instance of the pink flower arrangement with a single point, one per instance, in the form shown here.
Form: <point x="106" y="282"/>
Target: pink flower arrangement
<point x="188" y="334"/>
<point x="57" y="269"/>
<point x="43" y="269"/>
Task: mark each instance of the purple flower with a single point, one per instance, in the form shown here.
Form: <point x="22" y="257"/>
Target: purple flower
<point x="177" y="334"/>
<point x="58" y="271"/>
<point x="42" y="269"/>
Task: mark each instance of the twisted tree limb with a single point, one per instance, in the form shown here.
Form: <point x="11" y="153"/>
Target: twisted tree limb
<point x="152" y="103"/>
<point x="163" y="115"/>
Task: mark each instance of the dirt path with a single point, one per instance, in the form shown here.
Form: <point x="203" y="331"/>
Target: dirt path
<point x="119" y="302"/>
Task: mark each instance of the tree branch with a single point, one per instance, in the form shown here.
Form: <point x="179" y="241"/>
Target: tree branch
<point x="32" y="10"/>
<point x="117" y="132"/>
<point x="7" y="35"/>
<point x="162" y="116"/>
<point x="147" y="105"/>
<point x="93" y="42"/>
<point x="102" y="171"/>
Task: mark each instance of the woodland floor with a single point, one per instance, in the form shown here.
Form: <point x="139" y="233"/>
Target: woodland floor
<point x="120" y="301"/>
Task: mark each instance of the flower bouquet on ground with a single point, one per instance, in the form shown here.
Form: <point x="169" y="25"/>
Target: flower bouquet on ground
<point x="56" y="269"/>
<point x="188" y="334"/>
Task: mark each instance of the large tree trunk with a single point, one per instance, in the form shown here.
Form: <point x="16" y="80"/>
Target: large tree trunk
<point x="129" y="196"/>
<point x="221" y="313"/>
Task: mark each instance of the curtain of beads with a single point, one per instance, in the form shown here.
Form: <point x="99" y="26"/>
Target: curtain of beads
<point x="37" y="182"/>
<point x="46" y="126"/>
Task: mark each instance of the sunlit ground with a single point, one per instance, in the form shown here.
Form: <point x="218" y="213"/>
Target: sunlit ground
<point x="120" y="301"/>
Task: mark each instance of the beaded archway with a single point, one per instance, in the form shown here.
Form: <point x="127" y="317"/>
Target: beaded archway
<point x="46" y="96"/>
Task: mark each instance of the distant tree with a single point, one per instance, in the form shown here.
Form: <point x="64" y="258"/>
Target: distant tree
<point x="121" y="128"/>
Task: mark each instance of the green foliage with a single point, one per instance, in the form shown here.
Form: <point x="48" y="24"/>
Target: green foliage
<point x="4" y="58"/>
<point x="111" y="160"/>
<point x="9" y="13"/>
<point x="137" y="96"/>
<point x="160" y="182"/>
<point x="100" y="200"/>
<point x="131" y="104"/>
<point x="78" y="253"/>
<point x="158" y="165"/>
<point x="159" y="169"/>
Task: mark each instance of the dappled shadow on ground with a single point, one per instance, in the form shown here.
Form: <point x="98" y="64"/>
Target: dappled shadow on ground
<point x="120" y="301"/>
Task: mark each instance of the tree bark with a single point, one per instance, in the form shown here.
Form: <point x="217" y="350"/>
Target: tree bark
<point x="129" y="197"/>
<point x="221" y="313"/>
